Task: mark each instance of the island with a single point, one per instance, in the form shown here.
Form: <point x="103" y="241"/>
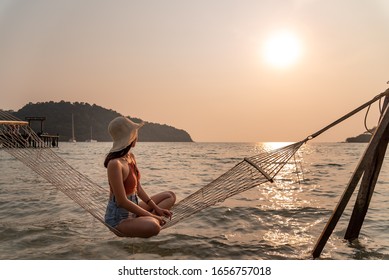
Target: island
<point x="90" y="122"/>
<point x="361" y="138"/>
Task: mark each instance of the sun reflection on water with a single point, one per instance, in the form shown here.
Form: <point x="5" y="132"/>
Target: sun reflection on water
<point x="285" y="199"/>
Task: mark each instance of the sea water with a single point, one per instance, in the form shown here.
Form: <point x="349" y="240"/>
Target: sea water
<point x="274" y="221"/>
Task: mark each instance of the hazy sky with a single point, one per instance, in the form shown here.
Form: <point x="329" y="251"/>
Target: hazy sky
<point x="202" y="65"/>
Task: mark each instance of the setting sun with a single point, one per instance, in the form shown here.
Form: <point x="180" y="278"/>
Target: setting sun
<point x="282" y="49"/>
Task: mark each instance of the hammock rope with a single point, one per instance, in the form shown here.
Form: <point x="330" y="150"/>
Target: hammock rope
<point x="20" y="141"/>
<point x="248" y="173"/>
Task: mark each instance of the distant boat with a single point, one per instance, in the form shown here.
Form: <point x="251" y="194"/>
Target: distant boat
<point x="73" y="139"/>
<point x="91" y="140"/>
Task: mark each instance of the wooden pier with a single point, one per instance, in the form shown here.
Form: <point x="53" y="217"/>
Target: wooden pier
<point x="49" y="140"/>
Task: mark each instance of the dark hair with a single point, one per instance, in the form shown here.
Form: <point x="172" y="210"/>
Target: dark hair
<point x="117" y="154"/>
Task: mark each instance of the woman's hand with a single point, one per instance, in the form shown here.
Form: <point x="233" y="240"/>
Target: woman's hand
<point x="160" y="220"/>
<point x="163" y="212"/>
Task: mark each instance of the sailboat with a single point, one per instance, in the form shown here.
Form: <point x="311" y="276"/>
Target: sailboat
<point x="73" y="139"/>
<point x="91" y="140"/>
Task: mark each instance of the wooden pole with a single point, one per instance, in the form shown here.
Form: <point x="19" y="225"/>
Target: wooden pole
<point x="366" y="190"/>
<point x="366" y="160"/>
<point x="368" y="183"/>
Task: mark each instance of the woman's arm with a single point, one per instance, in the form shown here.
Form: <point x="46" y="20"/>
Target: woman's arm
<point x="145" y="197"/>
<point x="151" y="204"/>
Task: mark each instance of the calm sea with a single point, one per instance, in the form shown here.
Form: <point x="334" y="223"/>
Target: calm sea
<point x="273" y="221"/>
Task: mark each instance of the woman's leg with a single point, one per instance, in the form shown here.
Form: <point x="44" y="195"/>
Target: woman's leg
<point x="165" y="200"/>
<point x="139" y="227"/>
<point x="147" y="226"/>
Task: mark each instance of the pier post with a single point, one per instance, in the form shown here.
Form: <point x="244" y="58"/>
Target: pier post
<point x="366" y="189"/>
<point x="369" y="166"/>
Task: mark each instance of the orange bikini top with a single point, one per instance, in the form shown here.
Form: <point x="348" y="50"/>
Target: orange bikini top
<point x="131" y="182"/>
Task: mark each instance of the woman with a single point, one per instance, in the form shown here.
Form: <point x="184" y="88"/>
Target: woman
<point x="124" y="212"/>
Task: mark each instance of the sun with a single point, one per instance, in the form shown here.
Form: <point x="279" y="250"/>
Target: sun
<point x="282" y="49"/>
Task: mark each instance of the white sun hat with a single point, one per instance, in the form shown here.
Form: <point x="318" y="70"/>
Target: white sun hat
<point x="123" y="132"/>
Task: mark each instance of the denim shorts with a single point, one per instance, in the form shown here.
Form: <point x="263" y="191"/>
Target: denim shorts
<point x="114" y="214"/>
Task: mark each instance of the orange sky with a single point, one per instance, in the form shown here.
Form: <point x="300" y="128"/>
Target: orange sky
<point x="200" y="65"/>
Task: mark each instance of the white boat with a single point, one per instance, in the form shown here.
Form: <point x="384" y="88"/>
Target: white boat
<point x="73" y="139"/>
<point x="91" y="140"/>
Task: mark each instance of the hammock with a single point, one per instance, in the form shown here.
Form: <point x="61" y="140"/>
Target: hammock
<point x="19" y="140"/>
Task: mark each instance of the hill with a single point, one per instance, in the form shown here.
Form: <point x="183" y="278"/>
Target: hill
<point x="93" y="118"/>
<point x="361" y="138"/>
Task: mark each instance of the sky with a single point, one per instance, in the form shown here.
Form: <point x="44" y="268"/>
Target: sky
<point x="223" y="70"/>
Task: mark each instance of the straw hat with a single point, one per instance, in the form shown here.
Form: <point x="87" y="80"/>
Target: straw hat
<point x="123" y="132"/>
